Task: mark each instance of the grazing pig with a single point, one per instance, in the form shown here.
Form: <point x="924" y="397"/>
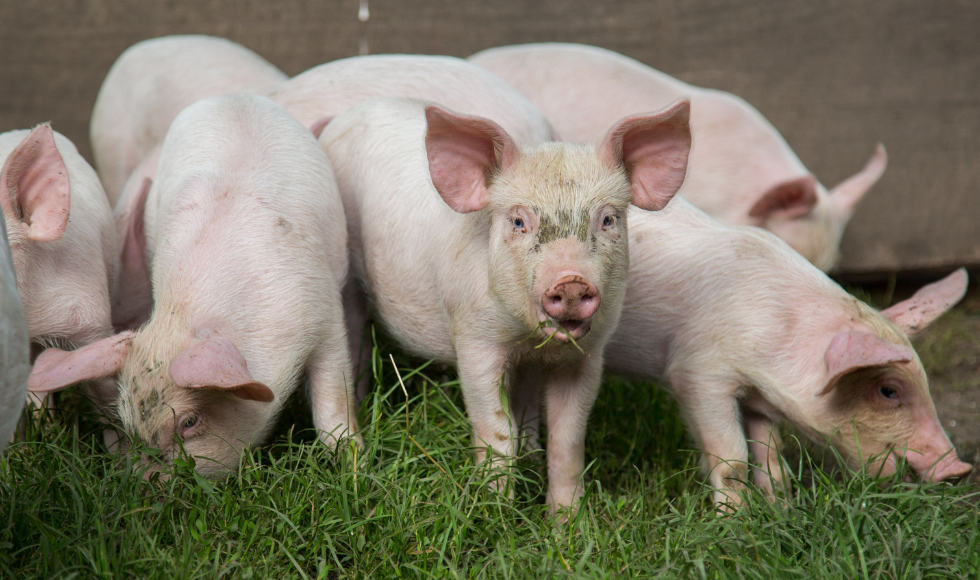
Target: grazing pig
<point x="243" y="233"/>
<point x="15" y="362"/>
<point x="64" y="266"/>
<point x="747" y="333"/>
<point x="509" y="262"/>
<point x="741" y="172"/>
<point x="155" y="79"/>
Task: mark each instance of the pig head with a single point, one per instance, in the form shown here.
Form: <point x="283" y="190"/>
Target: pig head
<point x="875" y="403"/>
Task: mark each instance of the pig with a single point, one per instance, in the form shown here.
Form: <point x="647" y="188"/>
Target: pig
<point x="319" y="94"/>
<point x="15" y="363"/>
<point x="244" y="236"/>
<point x="506" y="261"/>
<point x="742" y="172"/>
<point x="155" y="79"/>
<point x="747" y="334"/>
<point x="65" y="261"/>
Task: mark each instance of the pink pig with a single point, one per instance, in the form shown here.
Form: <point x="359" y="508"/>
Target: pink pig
<point x="509" y="262"/>
<point x="62" y="239"/>
<point x="155" y="79"/>
<point x="748" y="333"/>
<point x="243" y="234"/>
<point x="741" y="172"/>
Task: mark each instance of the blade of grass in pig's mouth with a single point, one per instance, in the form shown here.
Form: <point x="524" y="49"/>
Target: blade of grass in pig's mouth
<point x="571" y="328"/>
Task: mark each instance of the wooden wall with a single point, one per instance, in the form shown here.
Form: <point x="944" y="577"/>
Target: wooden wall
<point x="835" y="76"/>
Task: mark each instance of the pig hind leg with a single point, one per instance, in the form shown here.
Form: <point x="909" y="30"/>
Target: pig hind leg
<point x="331" y="390"/>
<point x="766" y="446"/>
<point x="359" y="343"/>
<point x="525" y="403"/>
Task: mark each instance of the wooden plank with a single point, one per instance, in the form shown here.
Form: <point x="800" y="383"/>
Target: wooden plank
<point x="834" y="76"/>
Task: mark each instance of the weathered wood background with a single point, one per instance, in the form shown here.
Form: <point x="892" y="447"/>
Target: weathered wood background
<point x="835" y="76"/>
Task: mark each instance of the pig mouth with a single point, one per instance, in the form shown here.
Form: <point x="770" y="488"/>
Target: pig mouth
<point x="567" y="330"/>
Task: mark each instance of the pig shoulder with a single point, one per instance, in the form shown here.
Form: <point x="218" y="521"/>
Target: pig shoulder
<point x="14" y="349"/>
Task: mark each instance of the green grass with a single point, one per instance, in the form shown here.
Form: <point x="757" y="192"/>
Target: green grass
<point x="416" y="506"/>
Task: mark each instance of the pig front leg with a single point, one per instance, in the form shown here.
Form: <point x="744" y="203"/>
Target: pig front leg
<point x="331" y="387"/>
<point x="712" y="413"/>
<point x="569" y="396"/>
<point x="482" y="375"/>
<point x="766" y="446"/>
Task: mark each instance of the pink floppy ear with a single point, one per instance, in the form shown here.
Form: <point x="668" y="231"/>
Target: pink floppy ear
<point x="928" y="303"/>
<point x="215" y="363"/>
<point x="788" y="200"/>
<point x="134" y="296"/>
<point x="34" y="186"/>
<point x="852" y="350"/>
<point x="56" y="369"/>
<point x="318" y="127"/>
<point x="463" y="152"/>
<point x="654" y="149"/>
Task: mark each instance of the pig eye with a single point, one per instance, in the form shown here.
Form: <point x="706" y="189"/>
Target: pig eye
<point x="888" y="392"/>
<point x="519" y="224"/>
<point x="608" y="221"/>
<point x="189" y="422"/>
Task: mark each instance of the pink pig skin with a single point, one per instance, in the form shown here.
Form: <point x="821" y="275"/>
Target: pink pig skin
<point x="245" y="241"/>
<point x="15" y="362"/>
<point x="742" y="172"/>
<point x="62" y="239"/>
<point x="478" y="271"/>
<point x="155" y="79"/>
<point x="739" y="325"/>
<point x="329" y="89"/>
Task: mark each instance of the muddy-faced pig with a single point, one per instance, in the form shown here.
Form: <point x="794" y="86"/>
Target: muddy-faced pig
<point x="509" y="262"/>
<point x="747" y="333"/>
<point x="243" y="233"/>
<point x="323" y="92"/>
<point x="155" y="79"/>
<point x="62" y="240"/>
<point x="15" y="363"/>
<point x="741" y="169"/>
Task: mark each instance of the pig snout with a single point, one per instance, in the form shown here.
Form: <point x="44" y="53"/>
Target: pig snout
<point x="571" y="301"/>
<point x="949" y="468"/>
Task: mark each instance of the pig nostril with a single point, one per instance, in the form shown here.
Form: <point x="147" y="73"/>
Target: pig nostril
<point x="556" y="300"/>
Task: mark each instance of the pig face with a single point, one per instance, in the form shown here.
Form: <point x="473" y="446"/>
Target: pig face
<point x="202" y="396"/>
<point x="558" y="246"/>
<point x="878" y="391"/>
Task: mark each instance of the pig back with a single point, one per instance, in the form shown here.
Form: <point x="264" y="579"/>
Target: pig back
<point x="14" y="346"/>
<point x="706" y="295"/>
<point x="329" y="89"/>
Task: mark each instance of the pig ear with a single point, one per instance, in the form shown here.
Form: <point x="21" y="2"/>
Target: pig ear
<point x="34" y="186"/>
<point x="788" y="200"/>
<point x="851" y="350"/>
<point x="654" y="150"/>
<point x="56" y="369"/>
<point x="215" y="363"/>
<point x="318" y="127"/>
<point x="849" y="192"/>
<point x="463" y="153"/>
<point x="928" y="303"/>
<point x="133" y="290"/>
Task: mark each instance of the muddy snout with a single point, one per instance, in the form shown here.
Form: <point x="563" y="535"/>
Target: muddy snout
<point x="571" y="301"/>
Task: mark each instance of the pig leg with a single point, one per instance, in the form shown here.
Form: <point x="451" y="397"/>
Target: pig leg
<point x="356" y="315"/>
<point x="569" y="396"/>
<point x="766" y="447"/>
<point x="482" y="374"/>
<point x="332" y="389"/>
<point x="712" y="414"/>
